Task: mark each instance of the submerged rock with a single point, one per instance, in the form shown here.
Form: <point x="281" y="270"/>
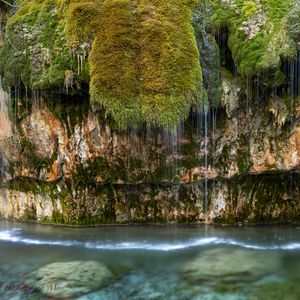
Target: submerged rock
<point x="70" y="279"/>
<point x="230" y="265"/>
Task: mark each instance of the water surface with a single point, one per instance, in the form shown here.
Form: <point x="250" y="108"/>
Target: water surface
<point x="158" y="262"/>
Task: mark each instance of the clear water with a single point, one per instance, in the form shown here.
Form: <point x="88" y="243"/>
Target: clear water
<point x="150" y="262"/>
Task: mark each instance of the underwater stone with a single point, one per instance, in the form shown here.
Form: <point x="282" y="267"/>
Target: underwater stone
<point x="229" y="265"/>
<point x="70" y="279"/>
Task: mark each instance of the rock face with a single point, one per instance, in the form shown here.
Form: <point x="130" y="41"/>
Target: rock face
<point x="70" y="279"/>
<point x="78" y="169"/>
<point x="238" y="163"/>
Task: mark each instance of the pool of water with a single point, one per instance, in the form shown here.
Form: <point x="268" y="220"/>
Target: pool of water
<point x="149" y="262"/>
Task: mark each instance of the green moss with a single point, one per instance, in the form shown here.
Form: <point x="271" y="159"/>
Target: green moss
<point x="143" y="62"/>
<point x="250" y="8"/>
<point x="114" y="82"/>
<point x="81" y="24"/>
<point x="144" y="67"/>
<point x="169" y="62"/>
<point x="99" y="170"/>
<point x="258" y="32"/>
<point x="35" y="49"/>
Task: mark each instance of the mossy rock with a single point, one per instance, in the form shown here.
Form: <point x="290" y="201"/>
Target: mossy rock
<point x="141" y="59"/>
<point x="259" y="32"/>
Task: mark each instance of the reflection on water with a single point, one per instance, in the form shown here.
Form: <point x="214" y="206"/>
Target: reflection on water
<point x="149" y="262"/>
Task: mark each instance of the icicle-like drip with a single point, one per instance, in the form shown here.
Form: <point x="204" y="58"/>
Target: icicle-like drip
<point x="81" y="56"/>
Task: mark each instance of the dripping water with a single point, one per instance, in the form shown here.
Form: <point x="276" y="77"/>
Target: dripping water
<point x="202" y="125"/>
<point x="206" y="161"/>
<point x="292" y="71"/>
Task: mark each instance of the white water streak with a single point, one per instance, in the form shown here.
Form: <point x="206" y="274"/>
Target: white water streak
<point x="14" y="236"/>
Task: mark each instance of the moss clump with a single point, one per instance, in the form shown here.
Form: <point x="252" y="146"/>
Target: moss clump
<point x="114" y="79"/>
<point x="258" y="32"/>
<point x="81" y="24"/>
<point x="170" y="72"/>
<point x="145" y="62"/>
<point x="250" y="8"/>
<point x="35" y="48"/>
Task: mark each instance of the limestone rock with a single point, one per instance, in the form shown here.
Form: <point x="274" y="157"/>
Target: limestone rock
<point x="70" y="279"/>
<point x="230" y="93"/>
<point x="229" y="265"/>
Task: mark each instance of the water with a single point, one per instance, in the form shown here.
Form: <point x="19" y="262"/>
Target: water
<point x="157" y="262"/>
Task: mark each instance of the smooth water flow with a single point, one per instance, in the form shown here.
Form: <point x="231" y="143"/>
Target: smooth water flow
<point x="152" y="262"/>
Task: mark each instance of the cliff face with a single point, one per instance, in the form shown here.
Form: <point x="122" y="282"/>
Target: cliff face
<point x="233" y="159"/>
<point x="73" y="167"/>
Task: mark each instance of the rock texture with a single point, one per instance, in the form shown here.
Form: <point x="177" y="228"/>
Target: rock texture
<point x="76" y="168"/>
<point x="70" y="279"/>
<point x="238" y="163"/>
<point x="230" y="265"/>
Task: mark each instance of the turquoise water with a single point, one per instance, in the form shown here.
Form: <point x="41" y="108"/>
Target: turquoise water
<point x="149" y="262"/>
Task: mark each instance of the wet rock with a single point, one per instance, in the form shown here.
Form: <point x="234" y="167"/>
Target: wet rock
<point x="229" y="265"/>
<point x="230" y="92"/>
<point x="70" y="279"/>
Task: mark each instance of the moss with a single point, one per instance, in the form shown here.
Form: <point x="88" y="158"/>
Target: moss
<point x="81" y="24"/>
<point x="143" y="61"/>
<point x="258" y="32"/>
<point x="114" y="82"/>
<point x="99" y="170"/>
<point x="146" y="67"/>
<point x="30" y="214"/>
<point x="249" y="8"/>
<point x="169" y="63"/>
<point x="35" y="49"/>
